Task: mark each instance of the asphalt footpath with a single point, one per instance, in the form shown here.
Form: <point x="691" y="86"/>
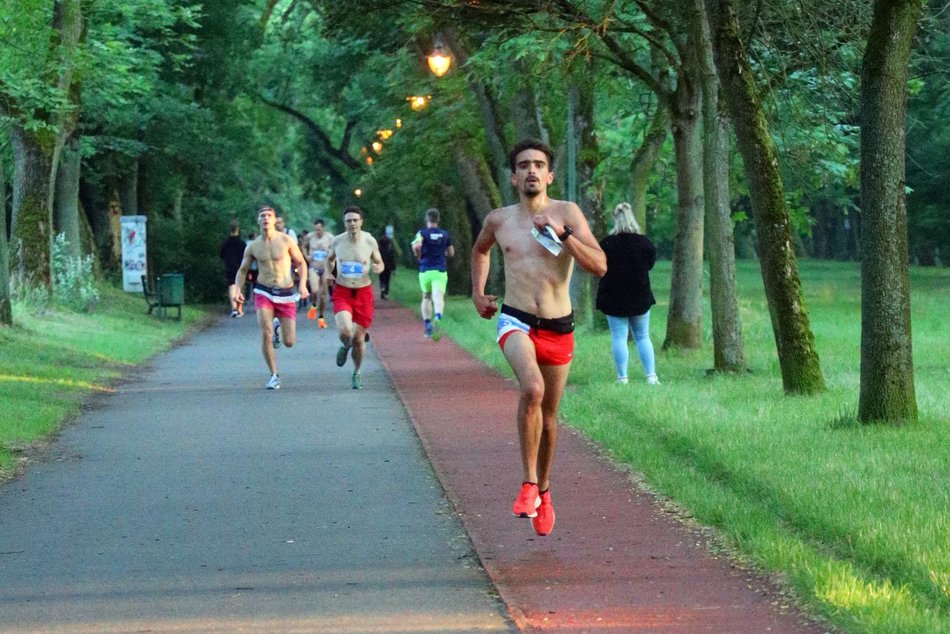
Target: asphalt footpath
<point x="191" y="499"/>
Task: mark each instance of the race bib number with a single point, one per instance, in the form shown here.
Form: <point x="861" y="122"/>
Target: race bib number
<point x="352" y="269"/>
<point x="318" y="256"/>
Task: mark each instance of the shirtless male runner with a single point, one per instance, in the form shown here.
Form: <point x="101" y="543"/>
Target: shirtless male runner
<point x="355" y="254"/>
<point x="275" y="298"/>
<point x="536" y="324"/>
<point x="317" y="245"/>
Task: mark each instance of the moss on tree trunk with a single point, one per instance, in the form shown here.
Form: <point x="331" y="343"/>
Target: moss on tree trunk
<point x="31" y="233"/>
<point x="887" y="366"/>
<point x="798" y="357"/>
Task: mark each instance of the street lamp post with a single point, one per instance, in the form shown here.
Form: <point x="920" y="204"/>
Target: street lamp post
<point x="439" y="60"/>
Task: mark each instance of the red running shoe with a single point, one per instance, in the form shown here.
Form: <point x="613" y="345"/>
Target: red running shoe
<point x="528" y="501"/>
<point x="544" y="522"/>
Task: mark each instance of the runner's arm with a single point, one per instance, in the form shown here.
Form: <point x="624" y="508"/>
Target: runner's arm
<point x="376" y="258"/>
<point x="417" y="245"/>
<point x="241" y="276"/>
<point x="481" y="261"/>
<point x="328" y="263"/>
<point x="300" y="262"/>
<point x="581" y="242"/>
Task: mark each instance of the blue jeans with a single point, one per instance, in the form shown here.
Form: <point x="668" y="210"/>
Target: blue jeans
<point x="640" y="324"/>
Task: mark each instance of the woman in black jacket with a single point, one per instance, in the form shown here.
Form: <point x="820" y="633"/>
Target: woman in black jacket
<point x="624" y="293"/>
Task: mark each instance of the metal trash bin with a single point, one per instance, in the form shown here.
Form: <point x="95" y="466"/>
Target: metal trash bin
<point x="170" y="289"/>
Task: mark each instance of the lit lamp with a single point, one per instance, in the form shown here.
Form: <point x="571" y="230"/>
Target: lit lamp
<point x="439" y="59"/>
<point x="357" y="192"/>
<point x="418" y="102"/>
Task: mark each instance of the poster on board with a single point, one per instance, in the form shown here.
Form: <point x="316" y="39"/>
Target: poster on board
<point x="133" y="252"/>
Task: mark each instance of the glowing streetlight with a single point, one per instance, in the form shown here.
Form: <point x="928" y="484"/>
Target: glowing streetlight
<point x="418" y="102"/>
<point x="439" y="59"/>
<point x="357" y="192"/>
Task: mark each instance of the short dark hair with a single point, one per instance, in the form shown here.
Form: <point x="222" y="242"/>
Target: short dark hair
<point x="353" y="209"/>
<point x="264" y="207"/>
<point x="530" y="144"/>
<point x="318" y="221"/>
<point x="432" y="214"/>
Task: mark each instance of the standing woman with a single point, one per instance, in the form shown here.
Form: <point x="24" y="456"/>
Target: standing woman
<point x="624" y="293"/>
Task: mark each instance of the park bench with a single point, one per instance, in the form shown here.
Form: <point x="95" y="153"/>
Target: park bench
<point x="168" y="292"/>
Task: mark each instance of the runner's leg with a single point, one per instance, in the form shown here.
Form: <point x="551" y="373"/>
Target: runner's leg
<point x="555" y="378"/>
<point x="265" y="317"/>
<point x="520" y="353"/>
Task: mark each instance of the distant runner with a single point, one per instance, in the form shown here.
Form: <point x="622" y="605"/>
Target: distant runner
<point x="355" y="254"/>
<point x="275" y="298"/>
<point x="432" y="246"/>
<point x="317" y="245"/>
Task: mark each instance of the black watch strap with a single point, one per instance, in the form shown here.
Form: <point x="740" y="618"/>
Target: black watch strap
<point x="568" y="232"/>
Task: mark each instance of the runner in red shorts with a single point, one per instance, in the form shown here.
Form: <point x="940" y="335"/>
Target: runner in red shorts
<point x="275" y="298"/>
<point x="536" y="322"/>
<point x="356" y="255"/>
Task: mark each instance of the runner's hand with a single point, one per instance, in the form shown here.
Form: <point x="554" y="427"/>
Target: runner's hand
<point x="486" y="305"/>
<point x="304" y="293"/>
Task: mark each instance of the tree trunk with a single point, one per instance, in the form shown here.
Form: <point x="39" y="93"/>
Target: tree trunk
<point x="728" y="348"/>
<point x="524" y="110"/>
<point x="644" y="161"/>
<point x="96" y="205"/>
<point x="684" y="321"/>
<point x="129" y="190"/>
<point x="887" y="366"/>
<point x="590" y="195"/>
<point x="497" y="144"/>
<point x="474" y="174"/>
<point x="31" y="233"/>
<point x="798" y="358"/>
<point x="6" y="306"/>
<point x="66" y="204"/>
<point x="494" y="124"/>
<point x="482" y="196"/>
<point x="456" y="221"/>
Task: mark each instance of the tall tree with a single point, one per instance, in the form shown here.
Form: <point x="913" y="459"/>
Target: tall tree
<point x="684" y="320"/>
<point x="6" y="308"/>
<point x="38" y="110"/>
<point x="795" y="342"/>
<point x="887" y="367"/>
<point x="728" y="348"/>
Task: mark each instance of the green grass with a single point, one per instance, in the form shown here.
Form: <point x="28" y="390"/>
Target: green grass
<point x="854" y="519"/>
<point x="51" y="361"/>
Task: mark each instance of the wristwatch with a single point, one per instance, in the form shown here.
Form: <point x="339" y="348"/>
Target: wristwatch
<point x="568" y="232"/>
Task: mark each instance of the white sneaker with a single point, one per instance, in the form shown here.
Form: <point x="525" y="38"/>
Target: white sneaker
<point x="652" y="379"/>
<point x="273" y="383"/>
<point x="622" y="380"/>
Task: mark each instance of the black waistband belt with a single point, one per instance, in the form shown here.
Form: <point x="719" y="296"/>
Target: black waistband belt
<point x="562" y="325"/>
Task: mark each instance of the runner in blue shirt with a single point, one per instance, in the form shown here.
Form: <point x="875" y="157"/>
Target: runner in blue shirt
<point x="432" y="247"/>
